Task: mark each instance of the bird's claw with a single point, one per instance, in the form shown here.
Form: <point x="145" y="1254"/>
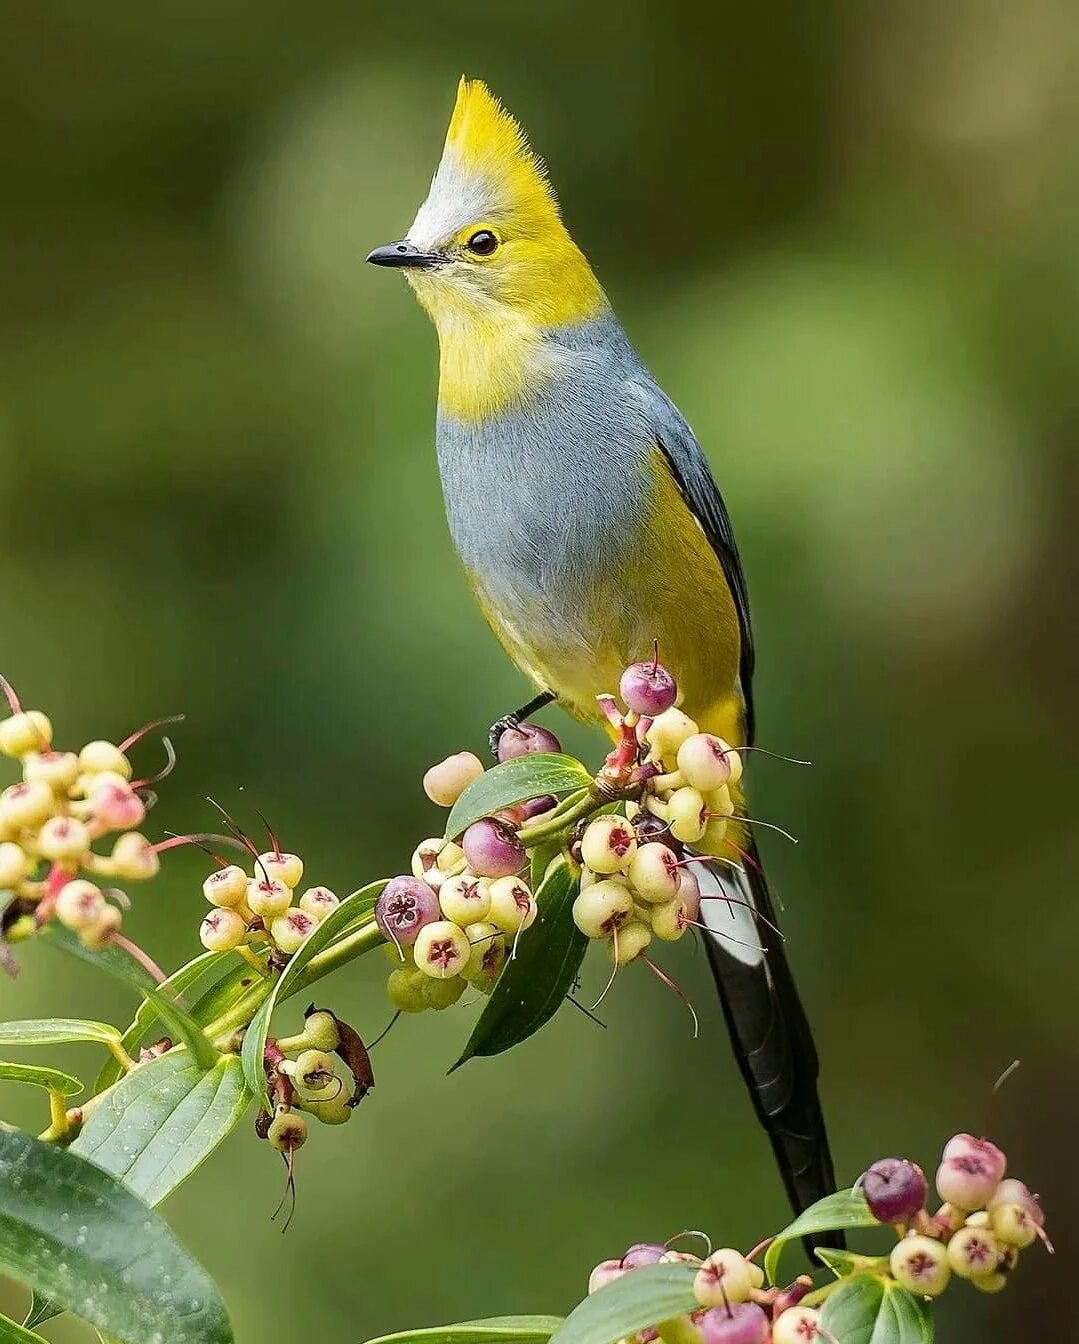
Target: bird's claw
<point x="494" y="733"/>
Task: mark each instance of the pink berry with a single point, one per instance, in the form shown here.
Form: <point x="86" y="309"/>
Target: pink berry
<point x="492" y="849"/>
<point x="894" y="1189"/>
<point x="525" y="740"/>
<point x="648" y="688"/>
<point x="604" y="1273"/>
<point x="1013" y="1191"/>
<point x="741" y="1323"/>
<point x="986" y="1153"/>
<point x="643" y="1253"/>
<point x="404" y="907"/>
<point x="118" y="806"/>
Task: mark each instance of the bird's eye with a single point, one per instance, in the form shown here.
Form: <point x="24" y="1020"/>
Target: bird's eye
<point x="483" y="242"/>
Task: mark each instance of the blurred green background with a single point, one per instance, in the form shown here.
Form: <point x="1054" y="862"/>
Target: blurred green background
<point x="844" y="237"/>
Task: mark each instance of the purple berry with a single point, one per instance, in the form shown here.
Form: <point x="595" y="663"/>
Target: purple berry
<point x="894" y="1189"/>
<point x="492" y="849"/>
<point x="648" y="688"/>
<point x="404" y="907"/>
<point x="741" y="1323"/>
<point x="643" y="1253"/>
<point x="535" y="807"/>
<point x="524" y="740"/>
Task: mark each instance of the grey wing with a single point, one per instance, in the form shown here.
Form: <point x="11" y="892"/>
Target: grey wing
<point x="693" y="477"/>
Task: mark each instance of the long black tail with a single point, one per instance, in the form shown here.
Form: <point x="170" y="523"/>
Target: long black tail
<point x="769" y="1030"/>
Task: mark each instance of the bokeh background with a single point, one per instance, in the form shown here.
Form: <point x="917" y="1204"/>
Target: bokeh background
<point x="845" y="239"/>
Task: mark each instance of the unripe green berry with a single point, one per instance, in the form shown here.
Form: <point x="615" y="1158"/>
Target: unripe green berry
<point x="25" y="732"/>
<point x="669" y="920"/>
<point x="797" y="1325"/>
<point x="465" y="899"/>
<point x="704" y="761"/>
<point x="667" y="733"/>
<point x="512" y="904"/>
<point x="441" y="994"/>
<point x="26" y="805"/>
<point x="920" y="1265"/>
<point x="629" y="942"/>
<point x="292" y="929"/>
<point x="445" y="782"/>
<point x="318" y="902"/>
<point x="973" y="1252"/>
<point x="608" y="844"/>
<point x="98" y="758"/>
<point x="488" y="954"/>
<point x="222" y="930"/>
<point x="79" y="905"/>
<point x="137" y="860"/>
<point x="58" y="769"/>
<point x="14" y="865"/>
<point x="287" y="1131"/>
<point x="602" y="907"/>
<point x="442" y="949"/>
<point x="653" y="873"/>
<point x="268" y="897"/>
<point x="991" y="1283"/>
<point x="687" y="814"/>
<point x="723" y="1277"/>
<point x="715" y="833"/>
<point x="1013" y="1226"/>
<point x="336" y="1111"/>
<point x="99" y="934"/>
<point x="404" y="988"/>
<point x="286" y="868"/>
<point x="62" y="839"/>
<point x="314" y="1073"/>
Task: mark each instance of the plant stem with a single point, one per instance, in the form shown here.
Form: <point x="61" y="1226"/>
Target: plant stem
<point x="116" y="1049"/>
<point x="58" y="1115"/>
<point x="353" y="945"/>
<point x="241" y="1012"/>
<point x="578" y="805"/>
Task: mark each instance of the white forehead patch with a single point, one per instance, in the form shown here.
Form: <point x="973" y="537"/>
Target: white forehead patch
<point x="457" y="199"/>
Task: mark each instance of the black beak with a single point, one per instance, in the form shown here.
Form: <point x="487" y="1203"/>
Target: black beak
<point x="403" y="254"/>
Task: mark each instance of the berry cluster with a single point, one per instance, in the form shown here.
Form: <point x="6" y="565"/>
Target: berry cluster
<point x="734" y="1307"/>
<point x="259" y="909"/>
<point x="66" y="803"/>
<point x="976" y="1234"/>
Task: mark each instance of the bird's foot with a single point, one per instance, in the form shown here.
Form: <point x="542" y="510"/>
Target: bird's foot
<point x="513" y="720"/>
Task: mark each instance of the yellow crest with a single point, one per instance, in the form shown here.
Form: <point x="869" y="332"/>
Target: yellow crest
<point x="485" y="142"/>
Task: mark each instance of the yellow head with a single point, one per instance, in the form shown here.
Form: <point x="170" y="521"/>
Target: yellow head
<point x="490" y="258"/>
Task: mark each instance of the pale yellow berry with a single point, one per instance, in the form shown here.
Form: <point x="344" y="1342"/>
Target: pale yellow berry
<point x="14" y="864"/>
<point x="687" y="814"/>
<point x="286" y="868"/>
<point x="669" y="919"/>
<point x="723" y="1277"/>
<point x="513" y="906"/>
<point x="973" y="1252"/>
<point x="25" y="732"/>
<point x="313" y="1073"/>
<point x="445" y="782"/>
<point x="62" y="839"/>
<point x="226" y="887"/>
<point x="704" y="761"/>
<point x="57" y="769"/>
<point x="425" y="855"/>
<point x="487" y="955"/>
<point x="99" y="934"/>
<point x="991" y="1283"/>
<point x="608" y="844"/>
<point x="79" y="905"/>
<point x="667" y="733"/>
<point x="287" y="1131"/>
<point x="628" y="942"/>
<point x="798" y="1325"/>
<point x="268" y="897"/>
<point x="98" y="758"/>
<point x="442" y="949"/>
<point x="465" y="899"/>
<point x="920" y="1265"/>
<point x="318" y="902"/>
<point x="602" y="907"/>
<point x="653" y="873"/>
<point x="222" y="930"/>
<point x="1012" y="1224"/>
<point x="24" y="806"/>
<point x="450" y="856"/>
<point x="136" y="859"/>
<point x="334" y="1112"/>
<point x="720" y="803"/>
<point x="715" y="834"/>
<point x="292" y="929"/>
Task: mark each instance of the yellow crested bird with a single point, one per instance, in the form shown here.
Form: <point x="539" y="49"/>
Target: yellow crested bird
<point x="589" y="525"/>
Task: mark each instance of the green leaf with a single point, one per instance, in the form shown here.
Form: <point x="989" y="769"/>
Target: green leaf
<point x="124" y="967"/>
<point x="10" y="1333"/>
<point x="146" y="1017"/>
<point x="634" y="1302"/>
<point x="57" y="1031"/>
<point x="534" y="983"/>
<point x="844" y="1210"/>
<point x="868" y="1309"/>
<point x="845" y="1263"/>
<point x="162" y="1121"/>
<point x="512" y="1329"/>
<point x="353" y="913"/>
<point x="515" y="781"/>
<point x="52" y="1079"/>
<point x="76" y="1235"/>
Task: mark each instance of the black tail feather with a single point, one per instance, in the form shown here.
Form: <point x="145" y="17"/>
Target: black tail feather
<point x="769" y="1031"/>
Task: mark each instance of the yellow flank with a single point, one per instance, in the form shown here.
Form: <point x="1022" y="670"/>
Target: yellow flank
<point x="492" y="313"/>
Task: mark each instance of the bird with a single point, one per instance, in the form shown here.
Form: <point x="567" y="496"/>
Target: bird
<point x="590" y="529"/>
